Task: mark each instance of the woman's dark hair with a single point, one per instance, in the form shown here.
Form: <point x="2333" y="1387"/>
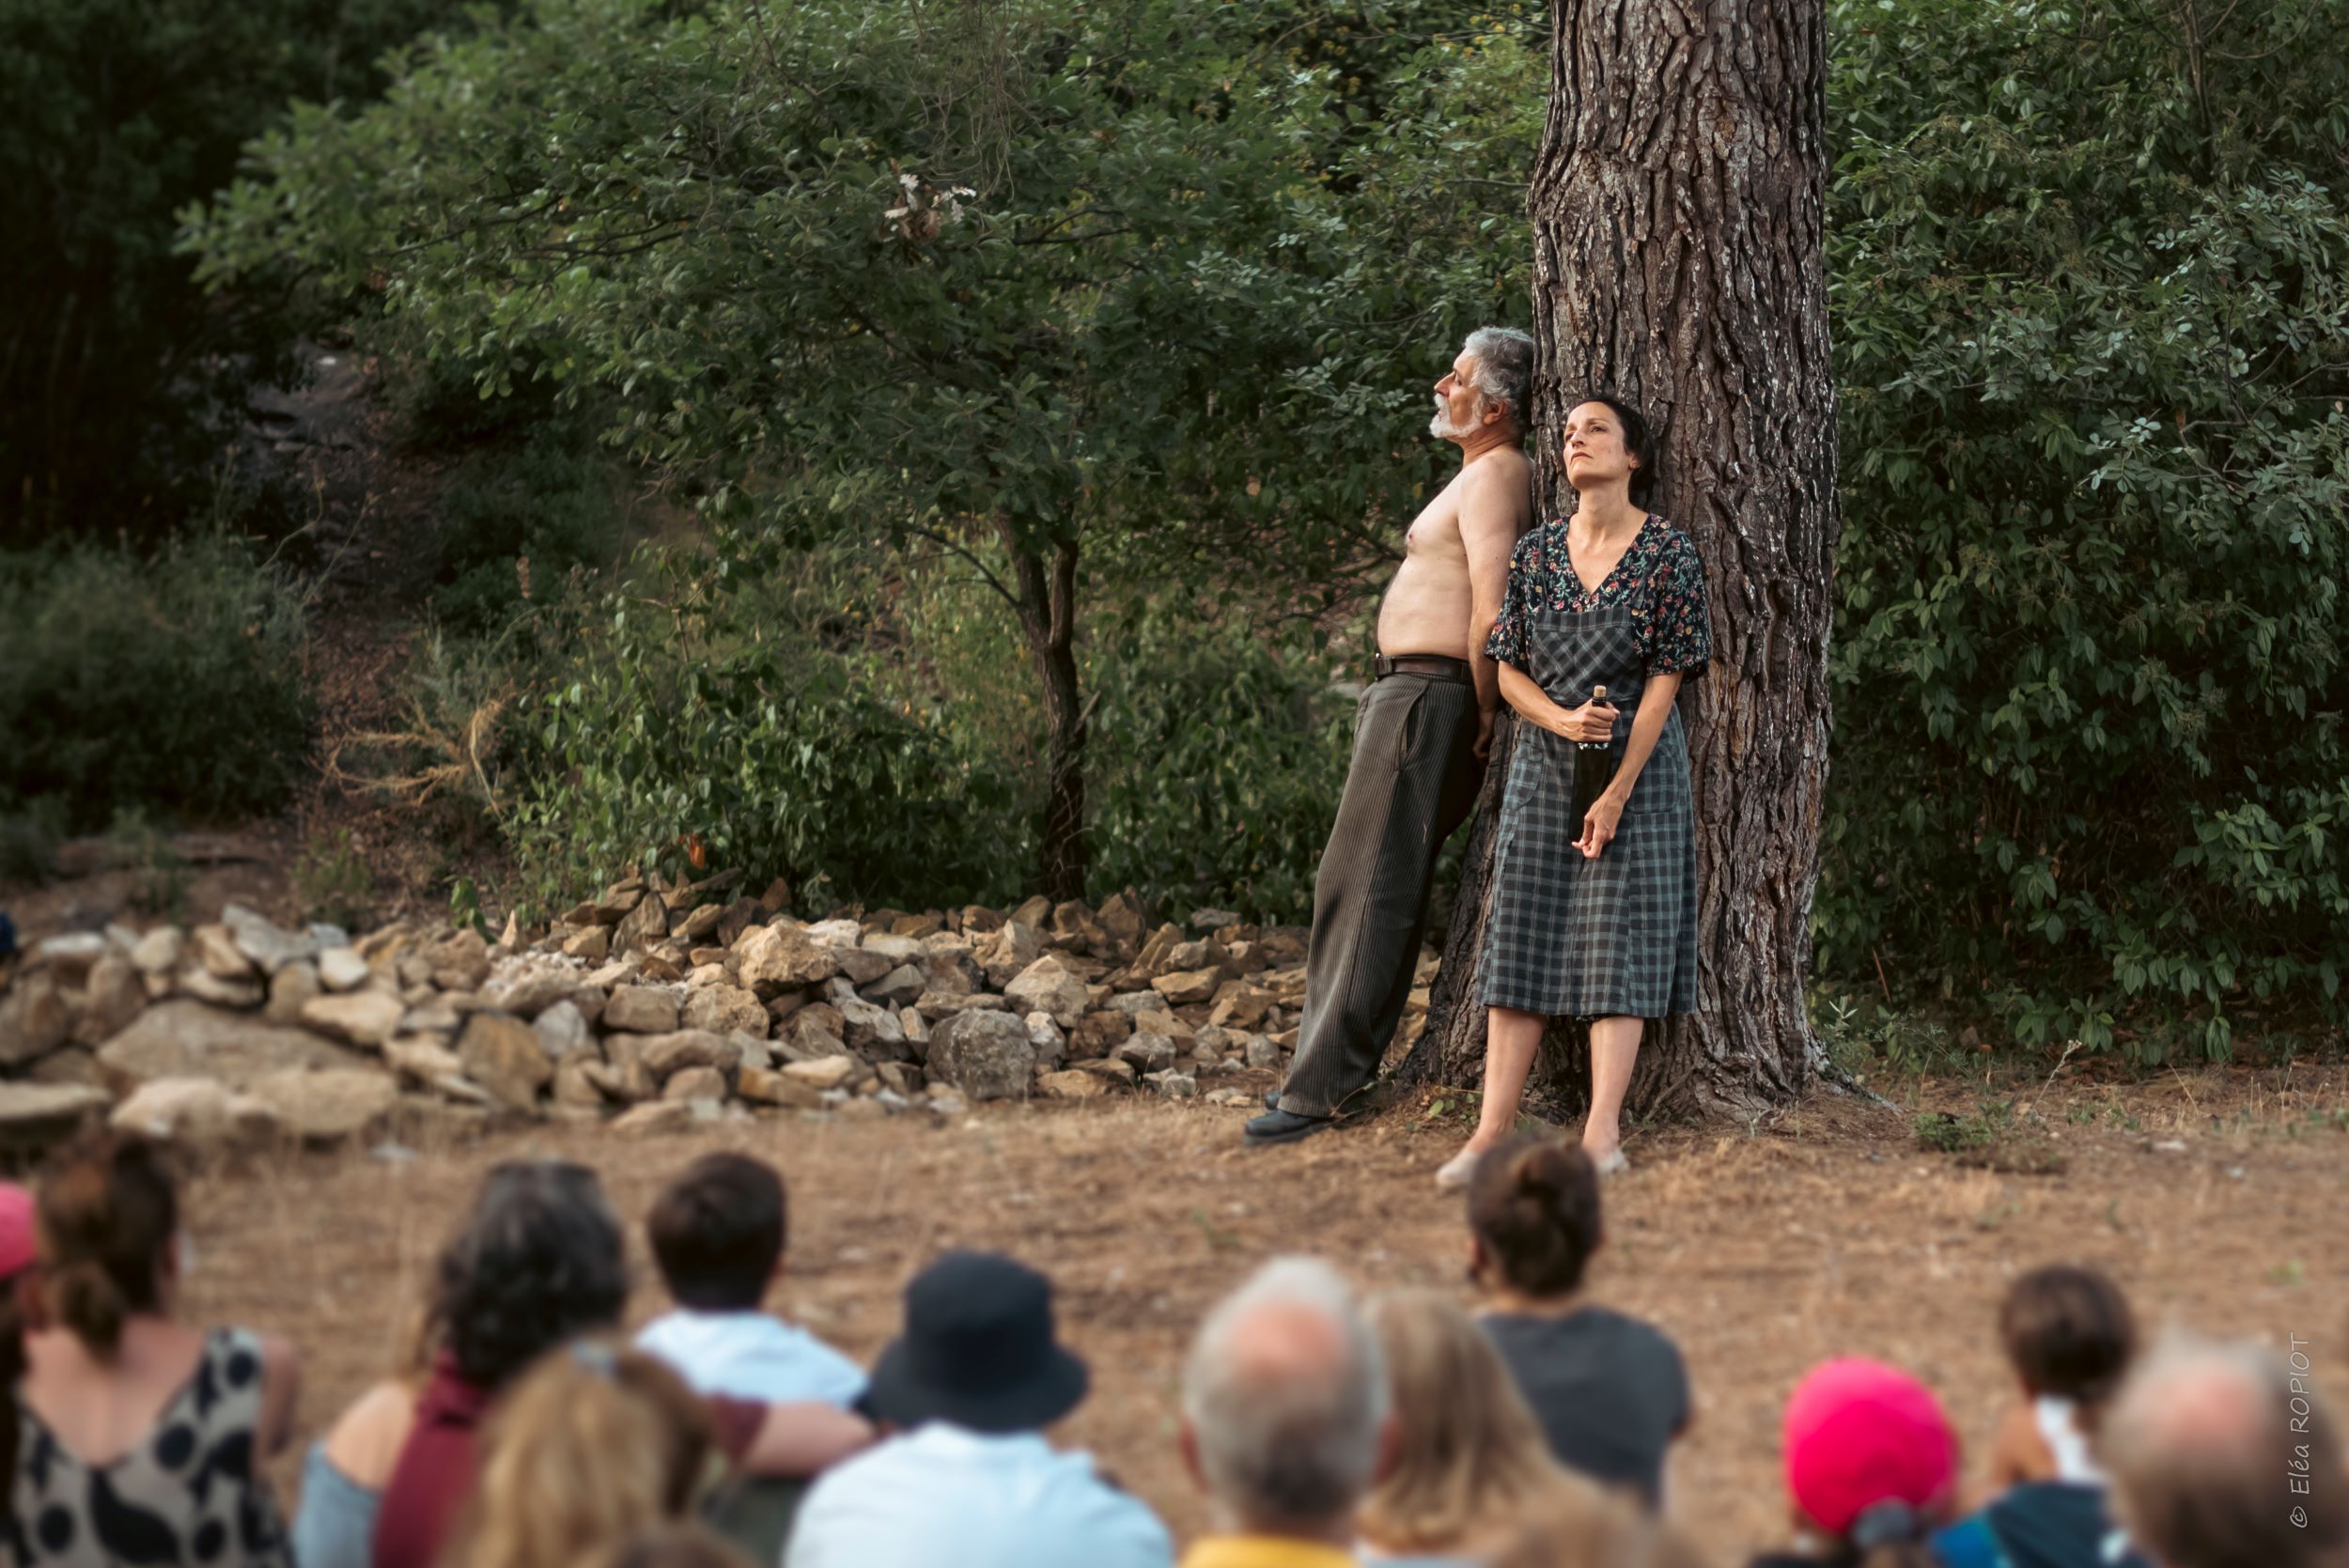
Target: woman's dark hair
<point x="541" y="1260"/>
<point x="107" y="1212"/>
<point x="1533" y="1203"/>
<point x="2068" y="1331"/>
<point x="1639" y="443"/>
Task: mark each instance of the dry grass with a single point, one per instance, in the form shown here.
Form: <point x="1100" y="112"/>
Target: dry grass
<point x="1762" y="1251"/>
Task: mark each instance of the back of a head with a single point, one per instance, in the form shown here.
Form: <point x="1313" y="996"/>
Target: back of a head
<point x="1602" y="1529"/>
<point x="108" y="1212"/>
<point x="1470" y="1458"/>
<point x="675" y="1546"/>
<point x="2204" y="1443"/>
<point x="2068" y="1331"/>
<point x="539" y="1259"/>
<point x="719" y="1231"/>
<point x="1532" y="1204"/>
<point x="593" y="1445"/>
<point x="1285" y="1398"/>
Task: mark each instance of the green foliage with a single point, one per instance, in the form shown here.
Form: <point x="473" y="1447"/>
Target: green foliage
<point x="1218" y="759"/>
<point x="159" y="874"/>
<point x="1995" y="1137"/>
<point x="335" y="884"/>
<point x="112" y="364"/>
<point x="521" y="518"/>
<point x="171" y="684"/>
<point x="2091" y="294"/>
<point x="684" y="715"/>
<point x="1003" y="278"/>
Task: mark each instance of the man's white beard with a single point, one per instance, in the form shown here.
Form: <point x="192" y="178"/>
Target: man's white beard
<point x="1442" y="429"/>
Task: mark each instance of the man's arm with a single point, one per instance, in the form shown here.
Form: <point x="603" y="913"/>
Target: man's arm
<point x="1494" y="510"/>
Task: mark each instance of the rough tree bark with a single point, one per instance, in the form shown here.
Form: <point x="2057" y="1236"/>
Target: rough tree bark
<point x="1678" y="212"/>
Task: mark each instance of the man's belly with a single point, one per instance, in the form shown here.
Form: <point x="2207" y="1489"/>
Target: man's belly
<point x="1425" y="611"/>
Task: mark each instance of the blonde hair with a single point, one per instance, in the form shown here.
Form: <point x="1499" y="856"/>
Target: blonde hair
<point x="1609" y="1531"/>
<point x="593" y="1445"/>
<point x="1470" y="1461"/>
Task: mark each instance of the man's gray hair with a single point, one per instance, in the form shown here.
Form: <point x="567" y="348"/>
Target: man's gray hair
<point x="2199" y="1444"/>
<point x="1287" y="1395"/>
<point x="1502" y="360"/>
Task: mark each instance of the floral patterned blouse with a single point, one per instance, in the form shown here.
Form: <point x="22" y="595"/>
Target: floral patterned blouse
<point x="1659" y="579"/>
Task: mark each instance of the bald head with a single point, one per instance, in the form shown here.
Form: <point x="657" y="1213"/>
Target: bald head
<point x="1285" y="1399"/>
<point x="2203" y="1444"/>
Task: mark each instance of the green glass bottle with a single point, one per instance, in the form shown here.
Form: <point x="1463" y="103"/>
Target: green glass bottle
<point x="1594" y="768"/>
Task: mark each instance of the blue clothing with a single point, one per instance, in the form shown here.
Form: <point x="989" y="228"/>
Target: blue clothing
<point x="749" y="1355"/>
<point x="334" y="1526"/>
<point x="941" y="1496"/>
<point x="2046" y="1524"/>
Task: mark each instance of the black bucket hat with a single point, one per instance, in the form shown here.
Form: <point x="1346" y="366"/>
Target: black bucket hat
<point x="977" y="1351"/>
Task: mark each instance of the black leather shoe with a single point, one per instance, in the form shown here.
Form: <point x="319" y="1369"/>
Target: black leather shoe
<point x="1272" y="1099"/>
<point x="1284" y="1127"/>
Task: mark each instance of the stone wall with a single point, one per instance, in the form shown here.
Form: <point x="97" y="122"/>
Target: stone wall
<point x="652" y="1007"/>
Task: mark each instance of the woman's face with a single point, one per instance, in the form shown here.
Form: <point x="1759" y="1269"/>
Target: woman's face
<point x="1595" y="452"/>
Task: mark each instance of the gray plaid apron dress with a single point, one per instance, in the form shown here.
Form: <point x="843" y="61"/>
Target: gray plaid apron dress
<point x="1615" y="937"/>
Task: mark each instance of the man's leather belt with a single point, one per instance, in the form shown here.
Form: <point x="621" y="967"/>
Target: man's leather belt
<point x="1420" y="665"/>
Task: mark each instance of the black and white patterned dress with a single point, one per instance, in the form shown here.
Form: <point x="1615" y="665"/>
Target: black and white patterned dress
<point x="190" y="1494"/>
<point x="1614" y="937"/>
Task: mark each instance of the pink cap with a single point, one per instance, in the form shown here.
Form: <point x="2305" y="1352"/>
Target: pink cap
<point x="1858" y="1433"/>
<point x="16" y="1229"/>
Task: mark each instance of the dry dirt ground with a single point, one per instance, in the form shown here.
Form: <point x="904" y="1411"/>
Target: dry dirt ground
<point x="1760" y="1250"/>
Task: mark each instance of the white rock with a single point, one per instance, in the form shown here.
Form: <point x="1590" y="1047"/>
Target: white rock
<point x="341" y="968"/>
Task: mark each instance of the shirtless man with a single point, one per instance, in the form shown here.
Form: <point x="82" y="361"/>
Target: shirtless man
<point x="1420" y="740"/>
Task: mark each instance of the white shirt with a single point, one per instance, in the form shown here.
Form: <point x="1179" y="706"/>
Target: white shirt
<point x="749" y="1355"/>
<point x="940" y="1496"/>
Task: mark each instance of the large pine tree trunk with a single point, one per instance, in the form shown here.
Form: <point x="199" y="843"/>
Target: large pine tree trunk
<point x="1677" y="214"/>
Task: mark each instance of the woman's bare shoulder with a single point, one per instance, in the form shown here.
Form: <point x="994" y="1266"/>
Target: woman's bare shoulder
<point x="365" y="1439"/>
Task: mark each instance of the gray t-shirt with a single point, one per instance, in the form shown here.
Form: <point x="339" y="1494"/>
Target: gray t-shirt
<point x="1610" y="1390"/>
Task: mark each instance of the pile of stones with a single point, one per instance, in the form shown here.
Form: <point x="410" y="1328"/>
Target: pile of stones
<point x="654" y="1005"/>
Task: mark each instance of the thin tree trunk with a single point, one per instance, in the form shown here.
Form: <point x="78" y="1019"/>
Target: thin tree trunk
<point x="1048" y="615"/>
<point x="1677" y="212"/>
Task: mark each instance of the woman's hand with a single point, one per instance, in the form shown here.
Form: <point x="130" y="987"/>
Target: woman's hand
<point x="1598" y="824"/>
<point x="1593" y="720"/>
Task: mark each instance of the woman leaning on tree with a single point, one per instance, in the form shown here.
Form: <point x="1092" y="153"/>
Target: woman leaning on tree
<point x="1594" y="913"/>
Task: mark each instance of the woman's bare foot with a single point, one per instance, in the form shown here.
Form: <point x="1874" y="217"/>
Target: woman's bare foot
<point x="1455" y="1173"/>
<point x="1605" y="1151"/>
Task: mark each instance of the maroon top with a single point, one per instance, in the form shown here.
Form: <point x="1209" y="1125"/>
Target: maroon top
<point x="435" y="1473"/>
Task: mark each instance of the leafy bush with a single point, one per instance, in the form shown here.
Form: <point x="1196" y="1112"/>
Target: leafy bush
<point x="521" y="518"/>
<point x="171" y="684"/>
<point x="2091" y="308"/>
<point x="685" y="716"/>
<point x="111" y="364"/>
<point x="1217" y="762"/>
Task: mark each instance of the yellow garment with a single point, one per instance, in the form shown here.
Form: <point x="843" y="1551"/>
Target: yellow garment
<point x="1264" y="1551"/>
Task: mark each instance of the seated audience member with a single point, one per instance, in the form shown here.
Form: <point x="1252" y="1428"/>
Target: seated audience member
<point x="718" y="1234"/>
<point x="2069" y="1335"/>
<point x="140" y="1438"/>
<point x="1612" y="1392"/>
<point x="2223" y="1456"/>
<point x="1286" y="1420"/>
<point x="1871" y="1467"/>
<point x="965" y="1478"/>
<point x="1618" y="1533"/>
<point x="344" y="1474"/>
<point x="676" y="1546"/>
<point x="540" y="1263"/>
<point x="17" y="1277"/>
<point x="1471" y="1468"/>
<point x="593" y="1445"/>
